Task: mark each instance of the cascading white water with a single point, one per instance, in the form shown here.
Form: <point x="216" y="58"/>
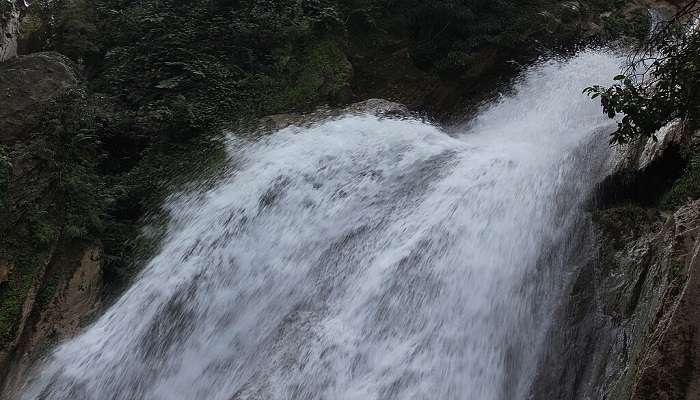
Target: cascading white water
<point x="361" y="258"/>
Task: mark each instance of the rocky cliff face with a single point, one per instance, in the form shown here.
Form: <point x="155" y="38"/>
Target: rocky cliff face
<point x="49" y="286"/>
<point x="630" y="326"/>
<point x="60" y="302"/>
<point x="646" y="289"/>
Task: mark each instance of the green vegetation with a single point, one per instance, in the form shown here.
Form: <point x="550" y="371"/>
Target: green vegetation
<point x="686" y="187"/>
<point x="661" y="82"/>
<point x="63" y="201"/>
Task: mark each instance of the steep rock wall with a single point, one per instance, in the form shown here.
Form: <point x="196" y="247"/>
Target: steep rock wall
<point x="65" y="297"/>
<point x="48" y="283"/>
<point x="630" y="327"/>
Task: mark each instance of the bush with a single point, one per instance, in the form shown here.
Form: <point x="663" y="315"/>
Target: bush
<point x="686" y="187"/>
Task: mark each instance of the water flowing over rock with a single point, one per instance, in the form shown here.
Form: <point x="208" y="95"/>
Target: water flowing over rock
<point x="376" y="107"/>
<point x="362" y="257"/>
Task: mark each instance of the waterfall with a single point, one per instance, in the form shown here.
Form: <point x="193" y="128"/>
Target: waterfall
<point x="361" y="258"/>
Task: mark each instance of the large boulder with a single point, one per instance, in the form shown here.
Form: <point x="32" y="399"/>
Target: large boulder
<point x="27" y="85"/>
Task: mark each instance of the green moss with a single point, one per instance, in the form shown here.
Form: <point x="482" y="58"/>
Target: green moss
<point x="676" y="270"/>
<point x="321" y="74"/>
<point x="49" y="286"/>
<point x="686" y="187"/>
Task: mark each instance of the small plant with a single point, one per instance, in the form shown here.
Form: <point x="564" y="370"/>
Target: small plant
<point x="686" y="187"/>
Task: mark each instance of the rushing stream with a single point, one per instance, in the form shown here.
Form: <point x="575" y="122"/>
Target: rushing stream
<point x="361" y="258"/>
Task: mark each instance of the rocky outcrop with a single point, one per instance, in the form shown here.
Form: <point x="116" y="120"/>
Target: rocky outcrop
<point x="66" y="296"/>
<point x="668" y="365"/>
<point x="629" y="328"/>
<point x="27" y="84"/>
<point x="10" y="17"/>
<point x="376" y="107"/>
<point x="645" y="286"/>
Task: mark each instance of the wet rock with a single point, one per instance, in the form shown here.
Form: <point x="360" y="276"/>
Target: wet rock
<point x="669" y="363"/>
<point x="379" y="107"/>
<point x="647" y="169"/>
<point x="642" y="153"/>
<point x="376" y="107"/>
<point x="627" y="330"/>
<point x="279" y="121"/>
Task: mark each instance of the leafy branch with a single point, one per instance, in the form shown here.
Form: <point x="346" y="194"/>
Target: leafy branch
<point x="660" y="81"/>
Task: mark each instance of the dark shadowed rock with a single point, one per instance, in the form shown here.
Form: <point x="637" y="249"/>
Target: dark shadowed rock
<point x="27" y="84"/>
<point x="629" y="327"/>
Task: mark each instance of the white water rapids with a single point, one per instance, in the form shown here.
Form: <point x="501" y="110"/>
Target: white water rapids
<point x="361" y="258"/>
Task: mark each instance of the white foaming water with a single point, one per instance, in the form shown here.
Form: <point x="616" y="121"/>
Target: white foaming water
<point x="361" y="258"/>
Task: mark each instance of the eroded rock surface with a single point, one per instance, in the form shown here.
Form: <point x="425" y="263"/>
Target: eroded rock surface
<point x="629" y="328"/>
<point x="69" y="294"/>
<point x="377" y="107"/>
